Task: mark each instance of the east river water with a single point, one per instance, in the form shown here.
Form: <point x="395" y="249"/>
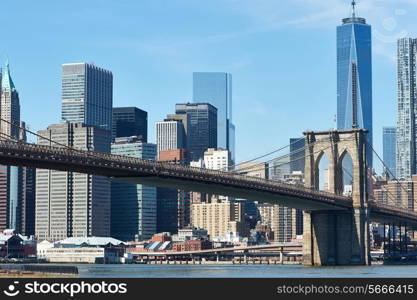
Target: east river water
<point x="241" y="271"/>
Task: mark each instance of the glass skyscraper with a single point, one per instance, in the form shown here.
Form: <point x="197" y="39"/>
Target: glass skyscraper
<point x="87" y="95"/>
<point x="389" y="141"/>
<point x="297" y="154"/>
<point x="216" y="88"/>
<point x="130" y="121"/>
<point x="202" y="127"/>
<point x="406" y="108"/>
<point x="133" y="206"/>
<point x="354" y="76"/>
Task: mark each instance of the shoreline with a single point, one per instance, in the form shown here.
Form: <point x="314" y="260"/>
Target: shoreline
<point x="30" y="274"/>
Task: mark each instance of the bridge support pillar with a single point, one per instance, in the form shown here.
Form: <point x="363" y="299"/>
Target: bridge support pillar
<point x="336" y="238"/>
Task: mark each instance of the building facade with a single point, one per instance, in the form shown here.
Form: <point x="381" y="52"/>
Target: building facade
<point x="254" y="169"/>
<point x="130" y="121"/>
<point x="170" y="135"/>
<point x="216" y="89"/>
<point x="389" y="144"/>
<point x="401" y="194"/>
<point x="219" y="219"/>
<point x="133" y="206"/>
<point x="71" y="204"/>
<point x="354" y="76"/>
<point x="281" y="220"/>
<point x="217" y="159"/>
<point x="201" y="129"/>
<point x="173" y="206"/>
<point x="297" y="154"/>
<point x="87" y="95"/>
<point x="280" y="168"/>
<point x="406" y="106"/>
<point x="11" y="177"/>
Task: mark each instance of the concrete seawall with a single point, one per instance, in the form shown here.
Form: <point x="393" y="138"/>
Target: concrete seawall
<point x="32" y="271"/>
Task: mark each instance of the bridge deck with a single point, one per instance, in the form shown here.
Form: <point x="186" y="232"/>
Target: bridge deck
<point x="140" y="171"/>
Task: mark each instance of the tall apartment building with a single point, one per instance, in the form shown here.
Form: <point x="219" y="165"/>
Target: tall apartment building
<point x="354" y="76"/>
<point x="216" y="89"/>
<point x="282" y="221"/>
<point x="87" y="95"/>
<point x="133" y="206"/>
<point x="389" y="144"/>
<point x="130" y="121"/>
<point x="67" y="203"/>
<point x="201" y="129"/>
<point x="406" y="108"/>
<point x="219" y="219"/>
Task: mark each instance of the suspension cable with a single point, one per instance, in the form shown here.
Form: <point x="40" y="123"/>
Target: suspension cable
<point x="267" y="154"/>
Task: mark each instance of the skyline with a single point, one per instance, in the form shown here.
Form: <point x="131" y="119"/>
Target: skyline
<point x="265" y="80"/>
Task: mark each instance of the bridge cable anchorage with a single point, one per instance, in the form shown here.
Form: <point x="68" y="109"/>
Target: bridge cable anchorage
<point x="387" y="169"/>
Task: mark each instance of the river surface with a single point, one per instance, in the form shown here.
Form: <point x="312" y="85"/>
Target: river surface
<point x="242" y="271"/>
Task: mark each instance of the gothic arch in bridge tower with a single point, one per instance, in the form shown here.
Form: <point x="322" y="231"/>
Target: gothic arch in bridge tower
<point x="337" y="237"/>
<point x="321" y="167"/>
<point x="345" y="172"/>
<point x="336" y="145"/>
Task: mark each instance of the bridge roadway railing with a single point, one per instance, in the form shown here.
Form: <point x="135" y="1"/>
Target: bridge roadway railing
<point x="129" y="166"/>
<point x="385" y="209"/>
<point x="125" y="166"/>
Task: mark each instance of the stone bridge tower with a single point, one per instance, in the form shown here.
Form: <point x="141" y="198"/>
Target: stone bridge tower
<point x="337" y="237"/>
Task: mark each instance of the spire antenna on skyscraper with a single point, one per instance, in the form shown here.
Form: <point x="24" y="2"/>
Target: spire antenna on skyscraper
<point x="353" y="9"/>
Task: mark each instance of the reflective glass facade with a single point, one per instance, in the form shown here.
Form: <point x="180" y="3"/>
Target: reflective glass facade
<point x="201" y="129"/>
<point x="389" y="141"/>
<point x="216" y="88"/>
<point x="87" y="95"/>
<point x="130" y="121"/>
<point x="133" y="206"/>
<point x="297" y="154"/>
<point x="354" y="76"/>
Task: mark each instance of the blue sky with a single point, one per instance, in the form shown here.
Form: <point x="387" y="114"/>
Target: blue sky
<point x="282" y="55"/>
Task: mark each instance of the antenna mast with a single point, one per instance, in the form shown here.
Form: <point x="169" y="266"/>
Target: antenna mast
<point x="353" y="9"/>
